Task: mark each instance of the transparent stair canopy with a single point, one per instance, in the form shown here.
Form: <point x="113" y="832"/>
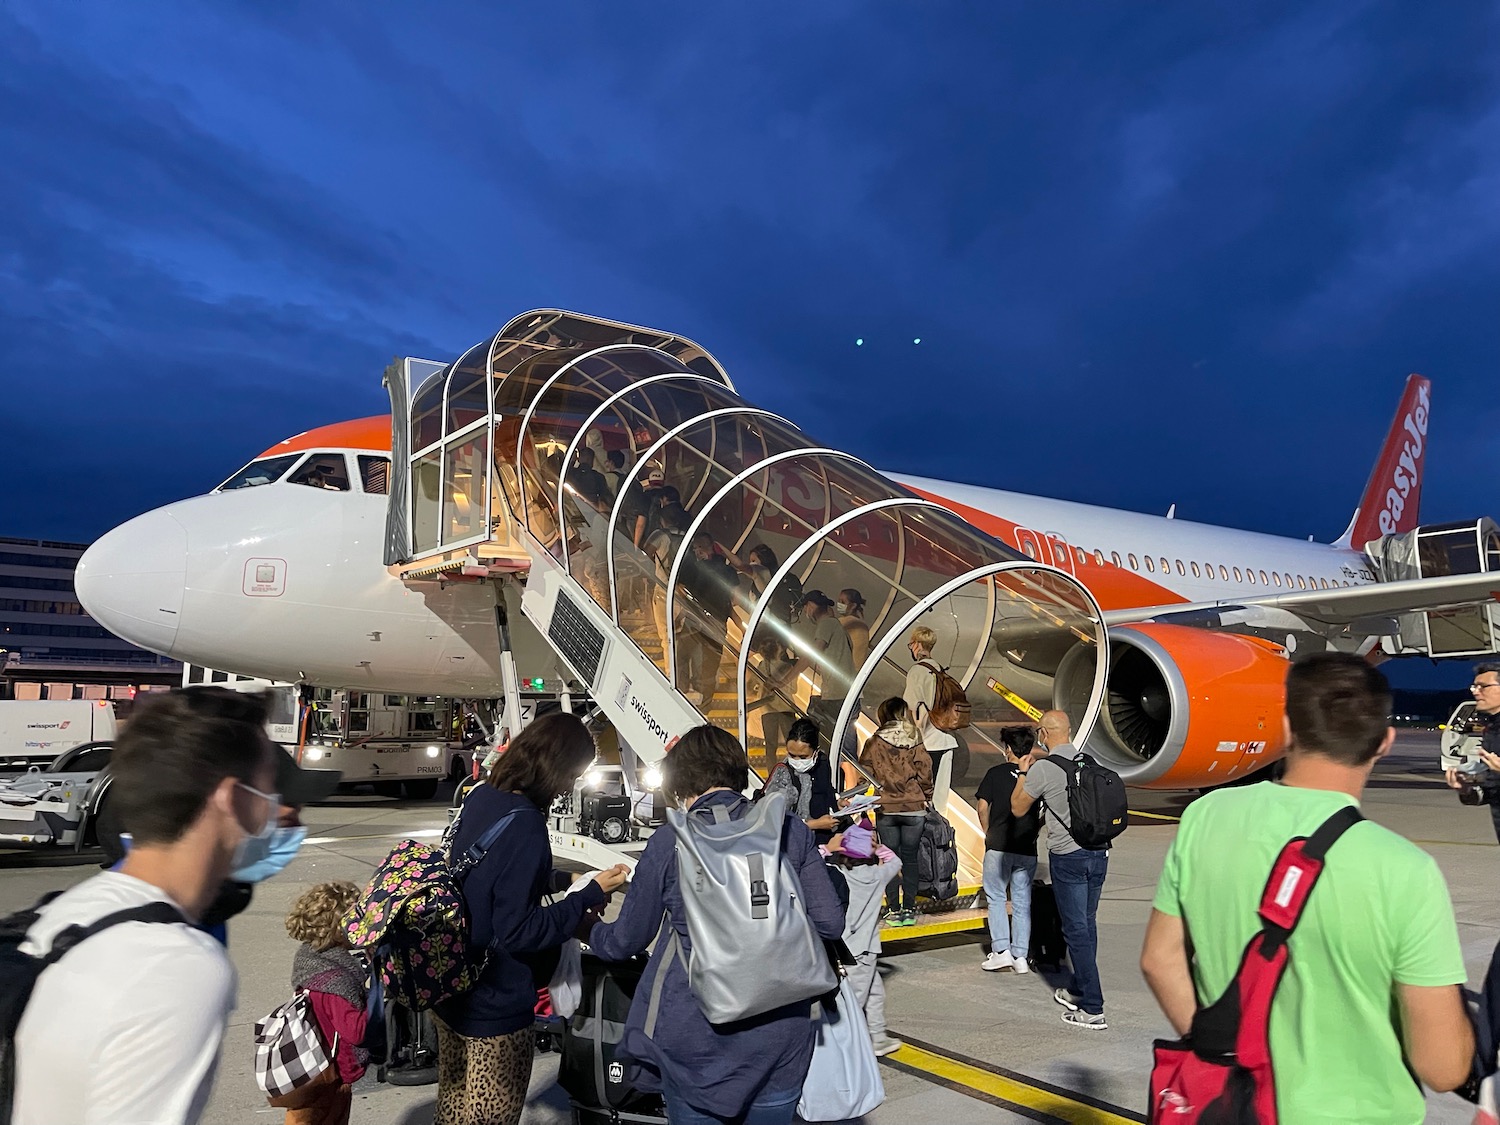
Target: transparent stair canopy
<point x="445" y="418"/>
<point x="697" y="523"/>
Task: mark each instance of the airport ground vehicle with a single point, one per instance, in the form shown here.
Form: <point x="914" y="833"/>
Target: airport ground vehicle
<point x="53" y="782"/>
<point x="35" y="731"/>
<point x="1459" y="746"/>
<point x="402" y="745"/>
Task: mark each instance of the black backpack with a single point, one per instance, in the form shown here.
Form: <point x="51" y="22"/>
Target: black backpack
<point x="19" y="972"/>
<point x="786" y="598"/>
<point x="937" y="858"/>
<point x="1097" y="806"/>
<point x="602" y="1087"/>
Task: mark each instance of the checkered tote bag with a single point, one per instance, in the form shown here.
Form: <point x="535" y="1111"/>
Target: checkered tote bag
<point x="289" y="1051"/>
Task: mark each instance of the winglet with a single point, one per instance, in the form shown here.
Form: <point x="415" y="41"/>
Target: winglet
<point x="1394" y="491"/>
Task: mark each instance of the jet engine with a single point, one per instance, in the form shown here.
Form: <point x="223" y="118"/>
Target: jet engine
<point x="1184" y="708"/>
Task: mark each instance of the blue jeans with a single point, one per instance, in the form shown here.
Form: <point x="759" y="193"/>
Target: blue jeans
<point x="1002" y="870"/>
<point x="764" y="1109"/>
<point x="1077" y="881"/>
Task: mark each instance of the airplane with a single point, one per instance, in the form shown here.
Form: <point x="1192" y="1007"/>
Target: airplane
<point x="283" y="571"/>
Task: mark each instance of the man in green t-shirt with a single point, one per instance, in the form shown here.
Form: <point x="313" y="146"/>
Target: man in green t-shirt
<point x="1370" y="995"/>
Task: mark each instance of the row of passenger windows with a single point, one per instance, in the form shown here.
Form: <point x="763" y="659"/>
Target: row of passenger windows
<point x="1221" y="572"/>
<point x="1161" y="564"/>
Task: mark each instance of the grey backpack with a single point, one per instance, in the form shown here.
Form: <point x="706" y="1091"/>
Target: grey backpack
<point x="745" y="914"/>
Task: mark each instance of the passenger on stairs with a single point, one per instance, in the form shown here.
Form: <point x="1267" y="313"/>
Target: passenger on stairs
<point x="830" y="654"/>
<point x="896" y="759"/>
<point x="614" y="475"/>
<point x="587" y="481"/>
<point x="807" y="781"/>
<point x="771" y="689"/>
<point x="708" y="581"/>
<point x="851" y="613"/>
<point x="921" y="694"/>
<point x="661" y="548"/>
<point x="755" y="575"/>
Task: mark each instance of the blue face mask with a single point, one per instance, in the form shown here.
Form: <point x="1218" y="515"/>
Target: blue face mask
<point x="261" y="857"/>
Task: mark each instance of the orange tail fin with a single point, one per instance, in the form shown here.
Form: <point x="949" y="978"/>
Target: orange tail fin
<point x="1394" y="491"/>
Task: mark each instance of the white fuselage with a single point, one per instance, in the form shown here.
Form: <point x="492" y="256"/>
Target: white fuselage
<point x="287" y="582"/>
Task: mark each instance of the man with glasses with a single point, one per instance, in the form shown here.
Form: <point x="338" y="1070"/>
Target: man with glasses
<point x="1486" y="689"/>
<point x="127" y="1025"/>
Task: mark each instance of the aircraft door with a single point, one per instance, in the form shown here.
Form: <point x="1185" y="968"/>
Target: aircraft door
<point x="1062" y="554"/>
<point x="1030" y="544"/>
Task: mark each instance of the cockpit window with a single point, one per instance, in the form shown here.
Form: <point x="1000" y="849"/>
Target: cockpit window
<point x="323" y="470"/>
<point x="375" y="474"/>
<point x="263" y="471"/>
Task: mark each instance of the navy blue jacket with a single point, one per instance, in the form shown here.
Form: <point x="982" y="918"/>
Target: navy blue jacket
<point x="721" y="1068"/>
<point x="504" y="894"/>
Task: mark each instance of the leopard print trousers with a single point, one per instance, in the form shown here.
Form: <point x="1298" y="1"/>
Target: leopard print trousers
<point x="482" y="1081"/>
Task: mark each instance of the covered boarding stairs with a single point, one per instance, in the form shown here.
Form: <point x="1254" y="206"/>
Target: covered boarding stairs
<point x="505" y="449"/>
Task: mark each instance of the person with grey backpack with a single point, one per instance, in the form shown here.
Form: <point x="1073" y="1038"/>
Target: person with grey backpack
<point x="738" y="901"/>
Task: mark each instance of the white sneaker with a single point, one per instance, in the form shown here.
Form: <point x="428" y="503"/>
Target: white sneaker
<point x="1067" y="999"/>
<point x="693" y="697"/>
<point x="1021" y="966"/>
<point x="1084" y="1020"/>
<point x="886" y="1045"/>
<point x="996" y="962"/>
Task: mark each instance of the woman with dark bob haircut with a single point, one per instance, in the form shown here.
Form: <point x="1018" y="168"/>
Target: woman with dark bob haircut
<point x="751" y="1071"/>
<point x="484" y="1036"/>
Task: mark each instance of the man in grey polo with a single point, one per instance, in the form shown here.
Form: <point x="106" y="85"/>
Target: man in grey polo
<point x="1077" y="873"/>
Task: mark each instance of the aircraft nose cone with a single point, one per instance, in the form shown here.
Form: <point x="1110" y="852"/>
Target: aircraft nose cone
<point x="131" y="581"/>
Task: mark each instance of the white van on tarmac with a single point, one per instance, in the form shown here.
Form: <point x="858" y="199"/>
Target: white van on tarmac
<point x="33" y="732"/>
<point x="53" y="777"/>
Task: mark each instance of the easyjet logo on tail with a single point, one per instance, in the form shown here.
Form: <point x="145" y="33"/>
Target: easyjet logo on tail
<point x="1394" y="492"/>
<point x="1406" y="478"/>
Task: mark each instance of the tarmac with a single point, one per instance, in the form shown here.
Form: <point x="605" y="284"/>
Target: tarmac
<point x="981" y="1047"/>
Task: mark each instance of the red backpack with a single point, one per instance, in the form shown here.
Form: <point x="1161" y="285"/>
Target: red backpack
<point x="1221" y="1074"/>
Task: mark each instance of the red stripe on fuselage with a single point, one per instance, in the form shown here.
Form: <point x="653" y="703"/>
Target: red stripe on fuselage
<point x="1112" y="586"/>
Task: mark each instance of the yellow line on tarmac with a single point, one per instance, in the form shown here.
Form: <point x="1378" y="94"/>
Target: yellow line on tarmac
<point x="1155" y="816"/>
<point x="1010" y="1091"/>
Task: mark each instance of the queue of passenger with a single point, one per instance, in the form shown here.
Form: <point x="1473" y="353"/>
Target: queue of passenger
<point x="1371" y="994"/>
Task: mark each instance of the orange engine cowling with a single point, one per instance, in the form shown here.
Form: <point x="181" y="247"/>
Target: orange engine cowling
<point x="1186" y="708"/>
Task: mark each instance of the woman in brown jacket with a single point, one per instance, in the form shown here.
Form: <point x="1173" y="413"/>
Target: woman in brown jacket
<point x="900" y="765"/>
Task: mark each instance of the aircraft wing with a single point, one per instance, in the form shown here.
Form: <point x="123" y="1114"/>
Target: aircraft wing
<point x="1339" y="607"/>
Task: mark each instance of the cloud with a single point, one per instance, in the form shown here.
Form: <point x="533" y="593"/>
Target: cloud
<point x="1201" y="248"/>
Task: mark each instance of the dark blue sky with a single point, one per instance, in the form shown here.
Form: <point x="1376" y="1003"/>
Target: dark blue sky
<point x="1155" y="253"/>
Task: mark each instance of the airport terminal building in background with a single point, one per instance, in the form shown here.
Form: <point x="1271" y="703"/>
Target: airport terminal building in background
<point x="49" y="647"/>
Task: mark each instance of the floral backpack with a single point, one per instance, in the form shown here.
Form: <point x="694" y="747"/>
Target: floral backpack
<point x="413" y="924"/>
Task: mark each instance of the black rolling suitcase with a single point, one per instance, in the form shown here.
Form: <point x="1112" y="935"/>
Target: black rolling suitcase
<point x="1048" y="946"/>
<point x="402" y="1043"/>
<point x="597" y="1084"/>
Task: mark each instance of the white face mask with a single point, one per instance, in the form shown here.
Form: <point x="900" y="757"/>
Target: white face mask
<point x="802" y="765"/>
<point x="842" y="609"/>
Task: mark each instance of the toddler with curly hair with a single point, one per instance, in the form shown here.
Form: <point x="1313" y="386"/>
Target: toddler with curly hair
<point x="336" y="981"/>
